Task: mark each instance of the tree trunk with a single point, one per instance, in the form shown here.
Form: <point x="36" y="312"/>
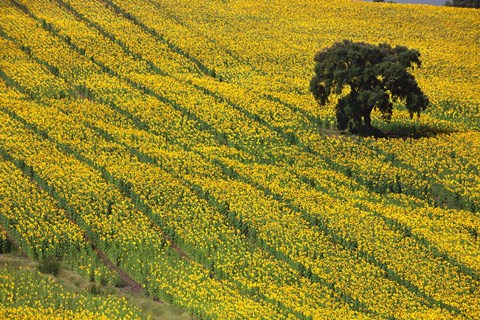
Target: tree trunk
<point x="367" y="120"/>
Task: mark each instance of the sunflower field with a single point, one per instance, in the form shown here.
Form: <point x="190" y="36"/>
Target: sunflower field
<point x="179" y="139"/>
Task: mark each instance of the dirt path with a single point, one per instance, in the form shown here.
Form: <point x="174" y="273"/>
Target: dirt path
<point x="129" y="283"/>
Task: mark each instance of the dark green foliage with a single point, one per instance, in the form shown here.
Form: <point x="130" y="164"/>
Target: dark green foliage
<point x="26" y="49"/>
<point x="5" y="245"/>
<point x="473" y="232"/>
<point x="366" y="77"/>
<point x="464" y="3"/>
<point x="49" y="266"/>
<point x="94" y="289"/>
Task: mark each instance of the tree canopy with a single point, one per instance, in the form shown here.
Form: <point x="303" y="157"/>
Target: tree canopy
<point x="464" y="3"/>
<point x="366" y="77"/>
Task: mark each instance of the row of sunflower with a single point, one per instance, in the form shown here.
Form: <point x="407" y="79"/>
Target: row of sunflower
<point x="101" y="151"/>
<point x="41" y="229"/>
<point x="28" y="294"/>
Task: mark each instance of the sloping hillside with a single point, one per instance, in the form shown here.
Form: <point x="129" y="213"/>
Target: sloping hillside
<point x="176" y="141"/>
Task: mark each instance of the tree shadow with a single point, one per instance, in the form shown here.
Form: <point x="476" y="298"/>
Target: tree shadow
<point x="408" y="131"/>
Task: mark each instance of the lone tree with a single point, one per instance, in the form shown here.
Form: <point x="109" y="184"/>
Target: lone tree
<point x="365" y="77"/>
<point x="463" y="3"/>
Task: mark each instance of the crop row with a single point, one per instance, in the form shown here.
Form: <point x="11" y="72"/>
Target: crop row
<point x="27" y="294"/>
<point x="125" y="236"/>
